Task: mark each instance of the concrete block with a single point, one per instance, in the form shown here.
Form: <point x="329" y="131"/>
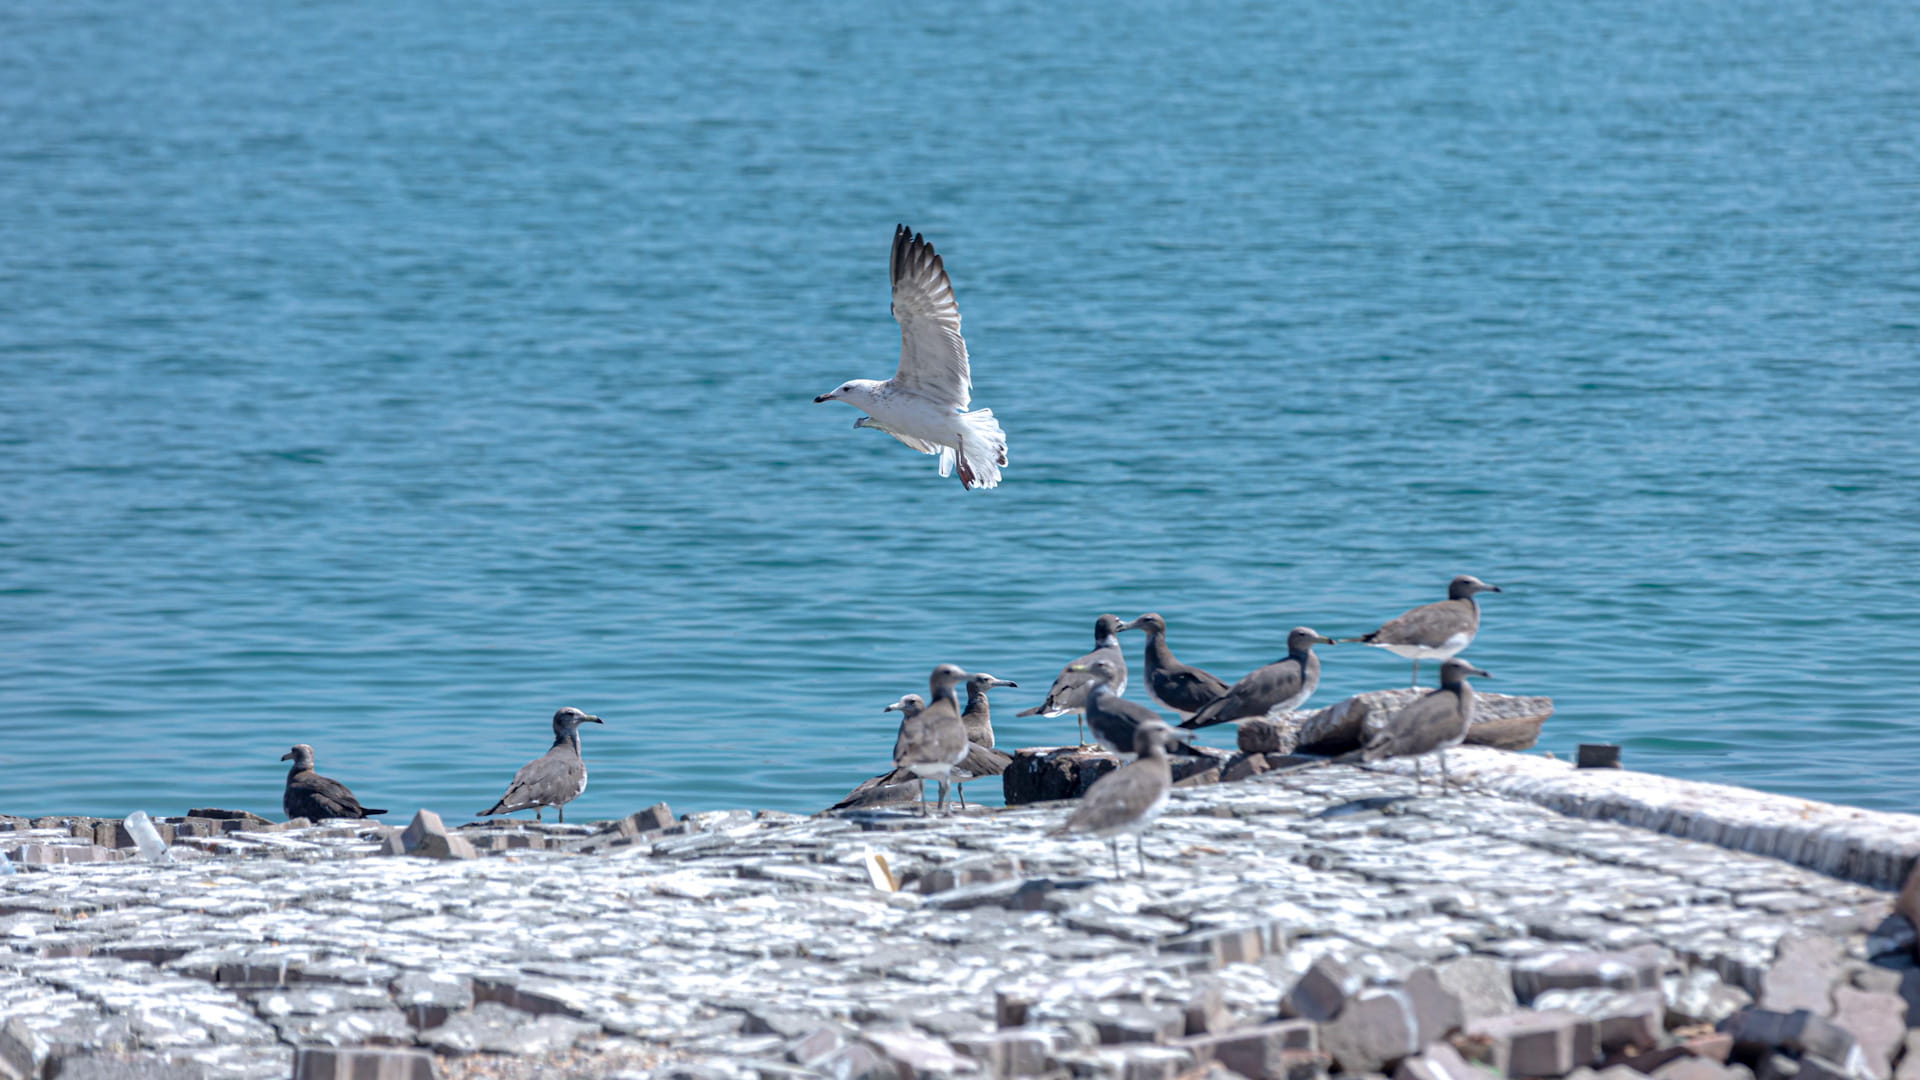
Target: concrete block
<point x="427" y="836"/>
<point x="361" y="1063"/>
<point x="1377" y="1028"/>
<point x="1806" y="968"/>
<point x="1483" y="985"/>
<point x="1530" y="1043"/>
<point x="1009" y="1052"/>
<point x="1439" y="1061"/>
<point x="1437" y="1010"/>
<point x="1206" y="1010"/>
<point x="1262" y="1052"/>
<point x="1131" y="1022"/>
<point x="1693" y="1068"/>
<point x="1322" y="992"/>
<point x="1572" y="969"/>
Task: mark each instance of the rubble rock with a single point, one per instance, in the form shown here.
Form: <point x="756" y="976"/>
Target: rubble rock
<point x="1261" y="735"/>
<point x="1806" y="967"/>
<point x="1701" y="997"/>
<point x="1877" y="1021"/>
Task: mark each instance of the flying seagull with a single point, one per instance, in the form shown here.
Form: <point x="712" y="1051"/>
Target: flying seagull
<point x="925" y="403"/>
<point x="1434" y="721"/>
<point x="556" y="777"/>
<point x="314" y="797"/>
<point x="1270" y="690"/>
<point x="1433" y="631"/>
<point x="1068" y="694"/>
<point x="1181" y="687"/>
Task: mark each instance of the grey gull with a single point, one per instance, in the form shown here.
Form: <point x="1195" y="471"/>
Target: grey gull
<point x="1069" y="690"/>
<point x="1433" y="631"/>
<point x="924" y="405"/>
<point x="556" y="777"/>
<point x="1434" y="721"/>
<point x="933" y="741"/>
<point x="1127" y="799"/>
<point x="1271" y="690"/>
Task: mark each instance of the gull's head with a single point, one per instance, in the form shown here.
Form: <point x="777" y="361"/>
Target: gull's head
<point x="301" y="755"/>
<point x="855" y="392"/>
<point x="908" y="705"/>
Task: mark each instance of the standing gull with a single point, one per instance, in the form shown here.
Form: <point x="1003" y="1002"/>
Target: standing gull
<point x="1127" y="799"/>
<point x="1177" y="686"/>
<point x="1434" y="721"/>
<point x="556" y="777"/>
<point x="1433" y="631"/>
<point x="933" y="741"/>
<point x="1116" y="722"/>
<point x="1069" y="691"/>
<point x="925" y="403"/>
<point x="314" y="797"/>
<point x="982" y="759"/>
<point x="1271" y="690"/>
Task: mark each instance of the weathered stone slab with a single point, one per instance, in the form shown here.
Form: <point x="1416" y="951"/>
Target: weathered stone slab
<point x="1499" y="721"/>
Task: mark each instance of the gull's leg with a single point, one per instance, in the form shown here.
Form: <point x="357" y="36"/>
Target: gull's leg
<point x="1416" y="672"/>
<point x="536" y="813"/>
<point x="562" y="811"/>
<point x="960" y="789"/>
<point x="1417" y="788"/>
<point x="1444" y="778"/>
<point x="1140" y="853"/>
<point x="1113" y="845"/>
<point x="941" y="807"/>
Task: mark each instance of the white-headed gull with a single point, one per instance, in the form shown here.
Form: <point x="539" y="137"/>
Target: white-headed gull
<point x="925" y="403"/>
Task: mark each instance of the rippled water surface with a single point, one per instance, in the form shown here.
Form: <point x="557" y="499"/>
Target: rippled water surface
<point x="385" y="376"/>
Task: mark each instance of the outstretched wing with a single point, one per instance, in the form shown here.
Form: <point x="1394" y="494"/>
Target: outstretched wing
<point x="933" y="355"/>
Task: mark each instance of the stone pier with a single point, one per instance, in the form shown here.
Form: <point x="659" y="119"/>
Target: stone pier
<point x="1547" y="922"/>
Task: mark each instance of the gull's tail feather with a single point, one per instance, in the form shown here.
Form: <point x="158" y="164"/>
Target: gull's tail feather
<point x="946" y="461"/>
<point x="983" y="449"/>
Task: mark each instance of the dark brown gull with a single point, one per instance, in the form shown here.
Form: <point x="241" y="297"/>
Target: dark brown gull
<point x="1183" y="688"/>
<point x="314" y="797"/>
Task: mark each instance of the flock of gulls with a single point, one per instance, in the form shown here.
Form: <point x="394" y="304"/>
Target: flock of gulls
<point x="938" y="740"/>
<point x="925" y="406"/>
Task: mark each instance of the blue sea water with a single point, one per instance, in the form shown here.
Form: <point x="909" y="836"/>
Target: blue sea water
<point x="385" y="376"/>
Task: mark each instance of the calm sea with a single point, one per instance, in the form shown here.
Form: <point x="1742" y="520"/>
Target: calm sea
<point x="385" y="376"/>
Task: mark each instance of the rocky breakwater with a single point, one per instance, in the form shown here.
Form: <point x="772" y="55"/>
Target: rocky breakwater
<point x="1296" y="925"/>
